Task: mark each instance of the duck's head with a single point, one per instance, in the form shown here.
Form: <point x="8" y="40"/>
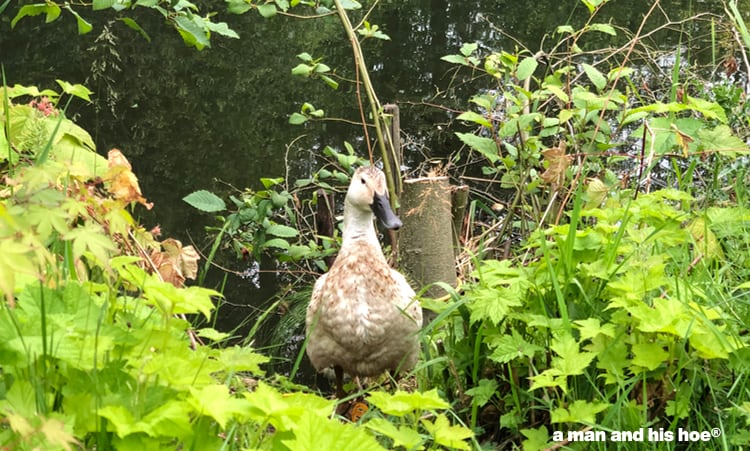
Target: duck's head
<point x="368" y="192"/>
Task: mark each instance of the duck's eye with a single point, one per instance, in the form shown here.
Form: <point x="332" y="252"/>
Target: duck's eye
<point x="362" y="179"/>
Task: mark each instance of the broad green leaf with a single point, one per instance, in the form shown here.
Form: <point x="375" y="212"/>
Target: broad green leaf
<point x="476" y="118"/>
<point x="536" y="439"/>
<point x="267" y="10"/>
<point x="487" y="147"/>
<point x="401" y="403"/>
<point x="205" y="201"/>
<point x="51" y="10"/>
<point x="98" y="5"/>
<point x="591" y="327"/>
<point x="192" y="29"/>
<point x="268" y="182"/>
<point x="468" y="49"/>
<point x="92" y="238"/>
<point x="216" y="402"/>
<point x="83" y="25"/>
<point x="526" y="68"/>
<point x="278" y="243"/>
<point x="579" y="411"/>
<point x="559" y="93"/>
<point x="351" y="5"/>
<point x="569" y="360"/>
<point x="212" y="334"/>
<point x="483" y="392"/>
<point x="649" y="355"/>
<point x="281" y="231"/>
<point x="222" y="29"/>
<point x="596" y="77"/>
<point x="316" y="433"/>
<point x="456" y="59"/>
<point x="721" y="139"/>
<point x="603" y="28"/>
<point x="297" y="119"/>
<point x="134" y="25"/>
<point x="238" y="358"/>
<point x="509" y="347"/>
<point x="402" y="436"/>
<point x="446" y="434"/>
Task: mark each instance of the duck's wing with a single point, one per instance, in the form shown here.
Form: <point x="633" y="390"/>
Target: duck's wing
<point x="407" y="300"/>
<point x="315" y="299"/>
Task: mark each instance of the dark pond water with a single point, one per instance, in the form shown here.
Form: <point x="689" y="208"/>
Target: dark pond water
<point x="191" y="120"/>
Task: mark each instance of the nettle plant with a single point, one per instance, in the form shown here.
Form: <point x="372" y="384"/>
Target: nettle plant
<point x="96" y="350"/>
<point x="631" y="315"/>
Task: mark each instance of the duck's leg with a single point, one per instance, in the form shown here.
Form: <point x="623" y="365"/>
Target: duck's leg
<point x="339" y="372"/>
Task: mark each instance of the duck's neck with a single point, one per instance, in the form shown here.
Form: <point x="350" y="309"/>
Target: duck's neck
<point x="358" y="224"/>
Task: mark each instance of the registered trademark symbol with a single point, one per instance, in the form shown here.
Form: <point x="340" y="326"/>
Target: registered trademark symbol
<point x="716" y="432"/>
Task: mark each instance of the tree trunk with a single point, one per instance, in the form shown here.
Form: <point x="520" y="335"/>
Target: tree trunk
<point x="426" y="239"/>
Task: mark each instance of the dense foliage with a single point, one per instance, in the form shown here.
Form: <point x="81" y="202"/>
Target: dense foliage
<point x="607" y="293"/>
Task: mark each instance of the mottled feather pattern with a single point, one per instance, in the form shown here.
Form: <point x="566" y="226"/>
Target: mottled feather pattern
<point x="363" y="315"/>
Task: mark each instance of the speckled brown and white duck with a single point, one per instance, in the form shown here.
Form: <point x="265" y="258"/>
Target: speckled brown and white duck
<point x="363" y="317"/>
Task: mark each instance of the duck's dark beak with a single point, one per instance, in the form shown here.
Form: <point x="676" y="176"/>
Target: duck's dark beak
<point x="382" y="209"/>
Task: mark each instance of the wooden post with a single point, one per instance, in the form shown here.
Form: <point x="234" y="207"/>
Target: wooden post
<point x="393" y="136"/>
<point x="426" y="239"/>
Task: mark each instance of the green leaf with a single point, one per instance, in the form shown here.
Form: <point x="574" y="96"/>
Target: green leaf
<point x="579" y="411"/>
<point x="536" y="439"/>
<point x="570" y="361"/>
<point x="484" y="391"/>
<point x="649" y="355"/>
<point x="596" y="77"/>
<point x="278" y="243"/>
<point x="402" y="436"/>
<point x="51" y="10"/>
<point x="134" y="25"/>
<point x="216" y="402"/>
<point x="192" y="29"/>
<point x="213" y="334"/>
<point x="314" y="432"/>
<point x="297" y="119"/>
<point x="456" y="59"/>
<point x="83" y="26"/>
<point x="476" y="118"/>
<point x="401" y="403"/>
<point x="267" y="10"/>
<point x="468" y="49"/>
<point x="98" y="5"/>
<point x="242" y="358"/>
<point x="221" y="28"/>
<point x="487" y="147"/>
<point x="603" y="28"/>
<point x="446" y="434"/>
<point x="510" y="347"/>
<point x="351" y="5"/>
<point x="268" y="182"/>
<point x="720" y="139"/>
<point x="591" y="327"/>
<point x="77" y="90"/>
<point x="281" y="231"/>
<point x="205" y="201"/>
<point x="526" y="68"/>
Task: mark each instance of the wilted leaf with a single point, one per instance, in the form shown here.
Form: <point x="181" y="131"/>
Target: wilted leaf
<point x="558" y="163"/>
<point x="123" y="184"/>
<point x="175" y="263"/>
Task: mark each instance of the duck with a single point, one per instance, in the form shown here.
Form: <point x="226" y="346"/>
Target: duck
<point x="363" y="316"/>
